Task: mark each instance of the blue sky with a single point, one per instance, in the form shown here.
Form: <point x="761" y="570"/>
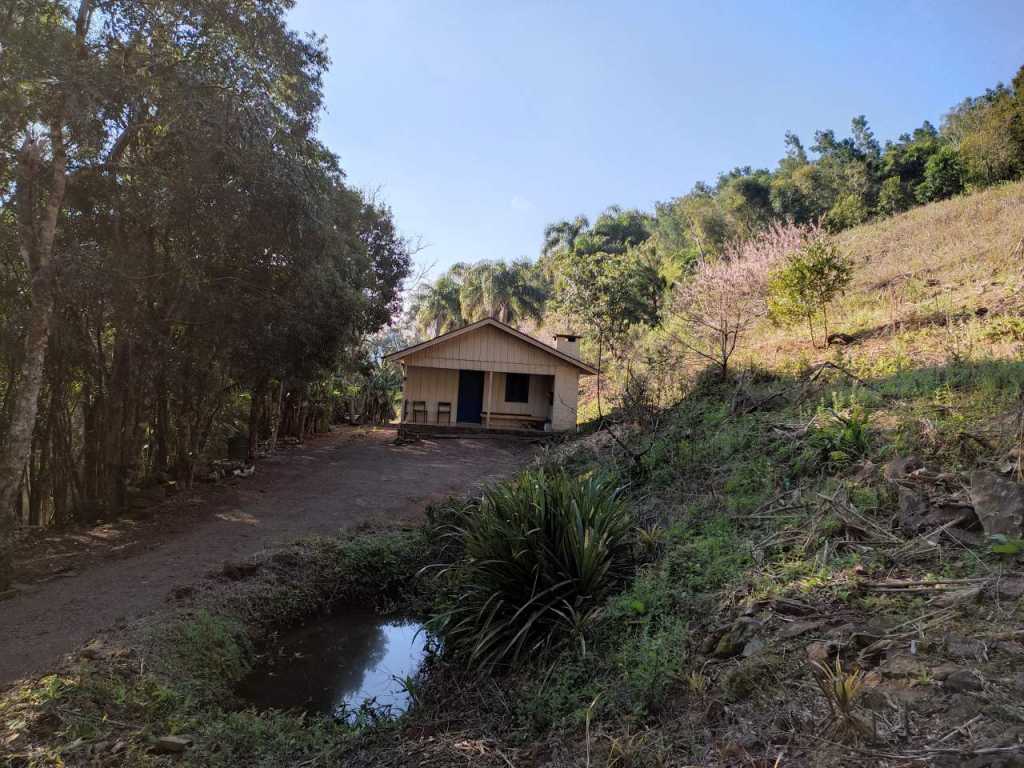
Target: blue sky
<point x="481" y="122"/>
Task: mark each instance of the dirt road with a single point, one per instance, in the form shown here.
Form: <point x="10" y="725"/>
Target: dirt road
<point x="347" y="478"/>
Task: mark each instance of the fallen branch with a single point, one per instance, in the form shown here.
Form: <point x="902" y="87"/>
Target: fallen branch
<point x="828" y="364"/>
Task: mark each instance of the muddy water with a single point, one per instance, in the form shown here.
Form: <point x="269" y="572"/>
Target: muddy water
<point x="337" y="663"/>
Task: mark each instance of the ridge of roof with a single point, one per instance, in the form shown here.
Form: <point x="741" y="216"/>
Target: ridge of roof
<point x="490" y="321"/>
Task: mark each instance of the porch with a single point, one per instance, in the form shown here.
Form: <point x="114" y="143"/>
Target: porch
<point x="471" y="399"/>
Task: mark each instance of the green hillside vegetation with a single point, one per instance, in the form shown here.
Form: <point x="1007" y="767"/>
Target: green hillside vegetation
<point x="804" y="579"/>
<point x="789" y="531"/>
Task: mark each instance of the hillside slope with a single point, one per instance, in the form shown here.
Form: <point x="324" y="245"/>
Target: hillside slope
<point x="825" y="521"/>
<point x="814" y="579"/>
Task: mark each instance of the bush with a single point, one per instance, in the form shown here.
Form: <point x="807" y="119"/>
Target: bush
<point x="892" y="197"/>
<point x="540" y="555"/>
<point x="849" y="211"/>
<point x="803" y="288"/>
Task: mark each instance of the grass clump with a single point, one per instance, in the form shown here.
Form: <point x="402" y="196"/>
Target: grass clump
<point x="540" y="554"/>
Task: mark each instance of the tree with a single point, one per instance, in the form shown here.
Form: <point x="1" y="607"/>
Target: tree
<point x="893" y="198"/>
<point x="183" y="240"/>
<point x="943" y="176"/>
<point x="806" y="284"/>
<point x="725" y="298"/>
<point x="437" y="307"/>
<point x="508" y="291"/>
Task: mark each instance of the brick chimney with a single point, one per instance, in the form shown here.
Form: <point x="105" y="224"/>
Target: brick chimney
<point x="568" y="343"/>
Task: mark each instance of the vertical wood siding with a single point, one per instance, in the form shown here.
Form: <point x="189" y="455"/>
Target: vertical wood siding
<point x="432" y="375"/>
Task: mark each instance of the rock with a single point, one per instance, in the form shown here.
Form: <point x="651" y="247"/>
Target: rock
<point x="736" y="637"/>
<point x="903" y="665"/>
<point x="1009" y="588"/>
<point x="798" y="628"/>
<point x="913" y="511"/>
<point x="943" y="671"/>
<point x="841" y="339"/>
<point x="755" y="645"/>
<point x="821" y="652"/>
<point x="900" y="467"/>
<point x="92" y="650"/>
<point x="236" y="571"/>
<point x="966" y="648"/>
<point x="958" y="597"/>
<point x="169" y="745"/>
<point x="998" y="502"/>
<point x="963" y="680"/>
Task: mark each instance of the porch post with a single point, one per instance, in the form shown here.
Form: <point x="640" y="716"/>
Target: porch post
<point x="490" y="396"/>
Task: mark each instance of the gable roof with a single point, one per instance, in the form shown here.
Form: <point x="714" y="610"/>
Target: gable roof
<point x="490" y="321"/>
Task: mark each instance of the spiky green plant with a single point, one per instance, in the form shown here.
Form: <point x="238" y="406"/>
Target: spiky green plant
<point x="540" y="554"/>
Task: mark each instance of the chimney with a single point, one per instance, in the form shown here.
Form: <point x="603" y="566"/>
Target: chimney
<point x="568" y="343"/>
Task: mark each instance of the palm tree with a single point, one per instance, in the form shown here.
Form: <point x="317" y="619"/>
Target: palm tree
<point x="561" y="236"/>
<point x="437" y="308"/>
<point x="509" y="292"/>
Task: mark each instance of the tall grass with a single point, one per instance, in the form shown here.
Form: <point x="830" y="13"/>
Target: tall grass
<point x="540" y="554"/>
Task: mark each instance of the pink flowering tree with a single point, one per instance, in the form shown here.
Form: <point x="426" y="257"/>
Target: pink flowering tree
<point x="717" y="306"/>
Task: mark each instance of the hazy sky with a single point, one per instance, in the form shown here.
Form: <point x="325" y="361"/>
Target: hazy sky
<point x="481" y="121"/>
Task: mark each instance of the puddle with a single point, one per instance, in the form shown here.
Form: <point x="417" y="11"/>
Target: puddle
<point x="335" y="664"/>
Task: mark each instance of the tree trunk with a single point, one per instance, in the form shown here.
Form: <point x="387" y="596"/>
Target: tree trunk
<point x="254" y="421"/>
<point x="162" y="455"/>
<point x="276" y="421"/>
<point x="36" y="240"/>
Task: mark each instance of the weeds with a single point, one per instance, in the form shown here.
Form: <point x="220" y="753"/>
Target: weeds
<point x="841" y="690"/>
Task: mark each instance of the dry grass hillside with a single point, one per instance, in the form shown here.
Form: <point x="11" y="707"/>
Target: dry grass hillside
<point x="927" y="286"/>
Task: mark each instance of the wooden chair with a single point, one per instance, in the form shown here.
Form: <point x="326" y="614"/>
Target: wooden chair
<point x="419" y="407"/>
<point x="444" y="409"/>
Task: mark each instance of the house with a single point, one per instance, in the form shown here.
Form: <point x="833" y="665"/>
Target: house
<point x="488" y="374"/>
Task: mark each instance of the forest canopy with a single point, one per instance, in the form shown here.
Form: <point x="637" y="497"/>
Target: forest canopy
<point x="179" y="250"/>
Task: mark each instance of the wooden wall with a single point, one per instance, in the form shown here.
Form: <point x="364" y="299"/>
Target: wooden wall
<point x="488" y="349"/>
<point x="432" y="375"/>
<point x="540" y="400"/>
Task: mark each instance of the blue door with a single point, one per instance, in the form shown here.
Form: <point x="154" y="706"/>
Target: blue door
<point x="471" y="396"/>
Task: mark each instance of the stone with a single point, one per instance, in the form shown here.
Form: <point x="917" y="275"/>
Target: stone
<point x="93" y="650"/>
<point x="236" y="571"/>
<point x="943" y="671"/>
<point x="966" y="648"/>
<point x="754" y="645"/>
<point x="958" y="597"/>
<point x="962" y="681"/>
<point x="797" y="628"/>
<point x="998" y="502"/>
<point x="913" y="511"/>
<point x="821" y="652"/>
<point x="169" y="745"/>
<point x="903" y="665"/>
<point x="1009" y="588"/>
<point x="900" y="467"/>
<point x="736" y="637"/>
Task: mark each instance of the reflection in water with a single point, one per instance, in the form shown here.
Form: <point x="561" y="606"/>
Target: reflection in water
<point x="338" y="662"/>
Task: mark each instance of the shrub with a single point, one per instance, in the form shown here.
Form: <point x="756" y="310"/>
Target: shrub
<point x="802" y="289"/>
<point x="892" y="197"/>
<point x="540" y="554"/>
<point x="849" y="211"/>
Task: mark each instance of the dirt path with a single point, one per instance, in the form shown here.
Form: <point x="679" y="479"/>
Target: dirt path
<point x="348" y="478"/>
